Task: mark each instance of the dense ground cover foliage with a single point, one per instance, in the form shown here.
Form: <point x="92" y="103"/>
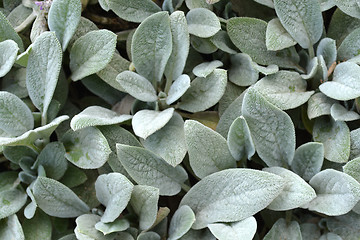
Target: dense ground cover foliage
<point x="179" y="119"/>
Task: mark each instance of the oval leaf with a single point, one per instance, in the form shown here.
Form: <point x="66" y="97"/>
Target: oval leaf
<point x="57" y="200"/>
<point x="237" y="194"/>
<point x="204" y="69"/>
<point x="91" y="53"/>
<point x="318" y="105"/>
<point x="9" y="50"/>
<point x="153" y="170"/>
<point x="202" y="22"/>
<point x="277" y="38"/>
<point x="178" y="88"/>
<point x="283" y="230"/>
<point x="340" y="113"/>
<point x="8" y="32"/>
<point x="11" y="201"/>
<point x="181" y="222"/>
<point x="244" y="229"/>
<point x="242" y="71"/>
<point x="350" y="7"/>
<point x="85" y="228"/>
<point x="10" y="228"/>
<point x="270" y="128"/>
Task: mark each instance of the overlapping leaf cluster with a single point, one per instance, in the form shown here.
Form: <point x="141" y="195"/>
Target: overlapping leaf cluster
<point x="199" y="119"/>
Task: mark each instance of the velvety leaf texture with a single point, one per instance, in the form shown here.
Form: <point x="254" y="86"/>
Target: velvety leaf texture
<point x="202" y="22"/>
<point x="9" y="50"/>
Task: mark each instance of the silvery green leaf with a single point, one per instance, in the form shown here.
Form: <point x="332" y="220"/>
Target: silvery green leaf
<point x="237" y="194"/>
<point x="249" y="35"/>
<point x="330" y="236"/>
<point x="203" y="234"/>
<point x="104" y="4"/>
<point x="10" y="228"/>
<point x="208" y="150"/>
<point x="85" y="228"/>
<point x="181" y="222"/>
<point x="148" y="236"/>
<point x="38" y="227"/>
<point x="277" y="37"/>
<point x="326" y="4"/>
<point x="52" y="158"/>
<point x="57" y="200"/>
<point x="86" y="148"/>
<point x="222" y="41"/>
<point x="337" y="192"/>
<point x="202" y="45"/>
<point x="147" y="122"/>
<point x="15" y="82"/>
<point x="63" y="19"/>
<point x="151" y="46"/>
<point x="191" y="4"/>
<point x="239" y="140"/>
<point x="8" y="32"/>
<point x="85" y="26"/>
<point x="231" y="113"/>
<point x="335" y="135"/>
<point x="39" y="27"/>
<point x="178" y="88"/>
<point x="12" y="200"/>
<point x="134" y="10"/>
<point x="242" y="71"/>
<point x="244" y="229"/>
<point x="137" y="86"/>
<point x="310" y="231"/>
<point x="308" y="160"/>
<point x="265" y="120"/>
<point x="318" y="105"/>
<point x="91" y="53"/>
<point x="124" y="236"/>
<point x="347" y="226"/>
<point x="352" y="168"/>
<point x="327" y="48"/>
<point x="283" y="230"/>
<point x="295" y="193"/>
<point x="349" y="48"/>
<point x="9" y="50"/>
<point x="144" y="200"/>
<point x="169" y="141"/>
<point x="30" y="136"/>
<point x="345" y="84"/>
<point x="271" y="69"/>
<point x="21" y="17"/>
<point x="113" y="190"/>
<point x="110" y="72"/>
<point x="73" y="177"/>
<point x="15" y="116"/>
<point x="204" y="69"/>
<point x="350" y="7"/>
<point x="95" y="116"/>
<point x="232" y="92"/>
<point x="180" y="45"/>
<point x="153" y="170"/>
<point x="355" y="143"/>
<point x="43" y="70"/>
<point x="118" y="225"/>
<point x="204" y="92"/>
<point x="302" y="20"/>
<point x="311" y="68"/>
<point x="285" y="89"/>
<point x="340" y="113"/>
<point x="7" y="181"/>
<point x="341" y="25"/>
<point x="202" y="22"/>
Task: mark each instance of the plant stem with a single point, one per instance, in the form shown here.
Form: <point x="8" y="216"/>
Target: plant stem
<point x="288" y="216"/>
<point x="311" y="52"/>
<point x="168" y="85"/>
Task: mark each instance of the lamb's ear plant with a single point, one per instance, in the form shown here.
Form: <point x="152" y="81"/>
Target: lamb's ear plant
<point x="179" y="119"/>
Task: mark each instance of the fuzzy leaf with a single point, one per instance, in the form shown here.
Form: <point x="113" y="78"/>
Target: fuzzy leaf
<point x="151" y="46"/>
<point x="244" y="229"/>
<point x="277" y="38"/>
<point x="318" y="105"/>
<point x="9" y="50"/>
<point x="204" y="69"/>
<point x="337" y="192"/>
<point x="57" y="200"/>
<point x="43" y="70"/>
<point x="118" y="225"/>
<point x="237" y="195"/>
<point x="349" y="48"/>
<point x="63" y="19"/>
<point x="8" y="32"/>
<point x="144" y="200"/>
<point x="202" y="22"/>
<point x="148" y="169"/>
<point x="340" y="113"/>
<point x="302" y="19"/>
<point x="222" y="41"/>
<point x="15" y="117"/>
<point x="345" y="84"/>
<point x="181" y="222"/>
<point x="85" y="228"/>
<point x="336" y="139"/>
<point x="327" y="48"/>
<point x="147" y="122"/>
<point x="242" y="72"/>
<point x="283" y="230"/>
<point x="113" y="190"/>
<point x="352" y="168"/>
<point x="91" y="53"/>
<point x="208" y="150"/>
<point x="355" y="143"/>
<point x="204" y="92"/>
<point x="296" y="192"/>
<point x="10" y="228"/>
<point x="284" y="89"/>
<point x="95" y="116"/>
<point x="86" y="148"/>
<point x="350" y="7"/>
<point x="178" y="88"/>
<point x="270" y="128"/>
<point x="137" y="86"/>
<point x="11" y="201"/>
